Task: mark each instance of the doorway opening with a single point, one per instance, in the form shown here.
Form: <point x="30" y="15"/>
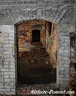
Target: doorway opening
<point x="36" y="36"/>
<point x="37" y="48"/>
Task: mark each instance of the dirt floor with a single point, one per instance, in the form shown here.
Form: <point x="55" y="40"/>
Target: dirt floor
<point x="35" y="66"/>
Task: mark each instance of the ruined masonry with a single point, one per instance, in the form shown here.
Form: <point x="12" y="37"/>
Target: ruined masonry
<point x="13" y="12"/>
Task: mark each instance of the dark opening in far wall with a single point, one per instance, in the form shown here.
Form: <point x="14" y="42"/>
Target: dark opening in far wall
<point x="50" y="27"/>
<point x="36" y="36"/>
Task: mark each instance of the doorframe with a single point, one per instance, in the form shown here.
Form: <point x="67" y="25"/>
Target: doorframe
<point x="16" y="53"/>
<point x="16" y="39"/>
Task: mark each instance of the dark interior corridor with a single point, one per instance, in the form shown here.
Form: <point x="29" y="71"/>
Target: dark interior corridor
<point x="36" y="52"/>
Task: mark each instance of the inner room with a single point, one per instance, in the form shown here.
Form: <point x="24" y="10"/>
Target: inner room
<point x="36" y="52"/>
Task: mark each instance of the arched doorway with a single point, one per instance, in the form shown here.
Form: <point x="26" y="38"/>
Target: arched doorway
<point x="36" y="47"/>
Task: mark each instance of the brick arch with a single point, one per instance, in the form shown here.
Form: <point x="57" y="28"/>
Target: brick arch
<point x="43" y="15"/>
<point x="62" y="84"/>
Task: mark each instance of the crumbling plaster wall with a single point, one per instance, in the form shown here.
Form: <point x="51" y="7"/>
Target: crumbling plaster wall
<point x="52" y="42"/>
<point x="62" y="12"/>
<point x="24" y="32"/>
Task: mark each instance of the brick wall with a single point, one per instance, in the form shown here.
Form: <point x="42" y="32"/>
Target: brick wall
<point x="11" y="12"/>
<point x="7" y="61"/>
<point x="24" y="31"/>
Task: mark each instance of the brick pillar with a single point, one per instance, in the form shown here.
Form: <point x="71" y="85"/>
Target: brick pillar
<point x="7" y="62"/>
<point x="63" y="57"/>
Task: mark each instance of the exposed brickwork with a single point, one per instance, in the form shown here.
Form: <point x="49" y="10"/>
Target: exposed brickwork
<point x="25" y="32"/>
<point x="7" y="68"/>
<point x="63" y="58"/>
